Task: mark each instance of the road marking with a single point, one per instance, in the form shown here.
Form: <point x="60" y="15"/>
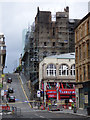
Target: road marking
<point x="21" y="79"/>
<point x="24" y="92"/>
<point x="42" y="117"/>
<point x="39" y="116"/>
<point x="7" y="87"/>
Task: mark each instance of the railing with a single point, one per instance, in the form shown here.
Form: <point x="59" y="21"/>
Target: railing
<point x="16" y="111"/>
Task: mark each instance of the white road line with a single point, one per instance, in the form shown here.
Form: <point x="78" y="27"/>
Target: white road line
<point x="39" y="116"/>
<point x="0" y="113"/>
<point x="42" y="117"/>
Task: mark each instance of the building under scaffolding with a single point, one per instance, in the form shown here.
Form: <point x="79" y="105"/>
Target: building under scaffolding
<point x="47" y="38"/>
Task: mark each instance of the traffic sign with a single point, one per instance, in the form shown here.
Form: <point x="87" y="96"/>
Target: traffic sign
<point x="2" y="92"/>
<point x="38" y="93"/>
<point x="2" y="75"/>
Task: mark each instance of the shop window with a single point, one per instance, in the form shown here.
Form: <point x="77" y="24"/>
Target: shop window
<point x="63" y="70"/>
<point x="51" y="70"/>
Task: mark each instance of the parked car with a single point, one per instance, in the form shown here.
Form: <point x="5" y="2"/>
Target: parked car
<point x="10" y="90"/>
<point x="55" y="107"/>
<point x="9" y="80"/>
<point x="11" y="99"/>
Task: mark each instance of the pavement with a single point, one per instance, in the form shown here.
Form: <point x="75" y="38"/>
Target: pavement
<point x="24" y="83"/>
<point x="79" y="112"/>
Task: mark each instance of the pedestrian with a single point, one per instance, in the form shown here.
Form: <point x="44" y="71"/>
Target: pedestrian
<point x="49" y="105"/>
<point x="72" y="104"/>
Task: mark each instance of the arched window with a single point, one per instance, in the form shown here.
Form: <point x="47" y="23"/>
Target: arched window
<point x="63" y="70"/>
<point x="73" y="69"/>
<point x="51" y="70"/>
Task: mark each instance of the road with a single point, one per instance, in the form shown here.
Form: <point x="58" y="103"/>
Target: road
<point x="26" y="110"/>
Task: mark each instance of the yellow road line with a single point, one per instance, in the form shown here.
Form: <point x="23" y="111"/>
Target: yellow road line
<point x="19" y="102"/>
<point x="7" y="87"/>
<point x="25" y="93"/>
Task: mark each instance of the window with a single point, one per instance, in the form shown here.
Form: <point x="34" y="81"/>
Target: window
<point x="84" y="73"/>
<point x="4" y="47"/>
<point x="83" y="50"/>
<point x="45" y="44"/>
<point x="73" y="69"/>
<point x="53" y="31"/>
<point x="1" y="39"/>
<point x="89" y="71"/>
<point x="76" y="75"/>
<point x="76" y="55"/>
<point x="62" y="44"/>
<point x="53" y="43"/>
<point x="53" y="53"/>
<point x="63" y="70"/>
<point x="87" y="27"/>
<point x="88" y="48"/>
<point x="80" y="52"/>
<point x="51" y="70"/>
<point x="80" y="74"/>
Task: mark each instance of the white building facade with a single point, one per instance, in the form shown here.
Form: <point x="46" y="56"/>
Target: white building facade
<point x="58" y="70"/>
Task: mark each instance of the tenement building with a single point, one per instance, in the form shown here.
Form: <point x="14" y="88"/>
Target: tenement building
<point x="2" y="56"/>
<point x="82" y="49"/>
<point x="54" y="37"/>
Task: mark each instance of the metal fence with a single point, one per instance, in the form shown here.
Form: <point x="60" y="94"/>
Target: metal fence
<point x="16" y="111"/>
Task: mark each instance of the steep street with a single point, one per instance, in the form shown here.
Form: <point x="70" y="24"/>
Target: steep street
<point x="26" y="110"/>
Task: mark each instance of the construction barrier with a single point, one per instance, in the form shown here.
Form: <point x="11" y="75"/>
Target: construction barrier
<point x="5" y="108"/>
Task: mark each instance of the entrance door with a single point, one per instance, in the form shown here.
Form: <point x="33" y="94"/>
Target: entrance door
<point x="81" y="98"/>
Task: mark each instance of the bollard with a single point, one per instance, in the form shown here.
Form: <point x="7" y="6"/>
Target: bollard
<point x="74" y="109"/>
<point x="12" y="109"/>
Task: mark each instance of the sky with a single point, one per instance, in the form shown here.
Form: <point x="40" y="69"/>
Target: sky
<point x="17" y="15"/>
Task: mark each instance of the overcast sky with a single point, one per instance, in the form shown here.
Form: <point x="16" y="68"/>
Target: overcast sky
<point x="15" y="16"/>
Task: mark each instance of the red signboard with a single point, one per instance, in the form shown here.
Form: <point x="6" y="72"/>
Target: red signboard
<point x="5" y="107"/>
<point x="62" y="93"/>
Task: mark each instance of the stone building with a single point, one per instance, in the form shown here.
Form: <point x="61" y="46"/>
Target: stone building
<point x="54" y="37"/>
<point x="57" y="69"/>
<point x="2" y="55"/>
<point x="82" y="49"/>
<point x="49" y="38"/>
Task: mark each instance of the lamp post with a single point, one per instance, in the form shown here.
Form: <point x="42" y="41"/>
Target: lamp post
<point x="57" y="91"/>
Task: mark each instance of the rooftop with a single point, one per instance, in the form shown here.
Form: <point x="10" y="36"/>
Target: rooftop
<point x="63" y="56"/>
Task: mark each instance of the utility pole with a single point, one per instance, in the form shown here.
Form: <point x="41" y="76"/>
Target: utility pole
<point x="57" y="91"/>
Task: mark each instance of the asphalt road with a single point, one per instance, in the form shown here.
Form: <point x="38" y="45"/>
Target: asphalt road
<point x="27" y="111"/>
